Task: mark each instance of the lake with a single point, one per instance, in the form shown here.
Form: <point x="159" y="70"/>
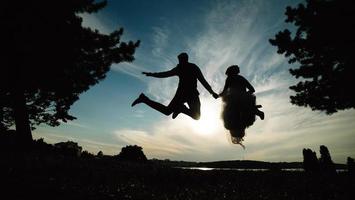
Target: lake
<point x="243" y="169"/>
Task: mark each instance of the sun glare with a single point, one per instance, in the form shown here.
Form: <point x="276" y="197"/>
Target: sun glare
<point x="210" y="120"/>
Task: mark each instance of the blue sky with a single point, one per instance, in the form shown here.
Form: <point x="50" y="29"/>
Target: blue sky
<point x="215" y="34"/>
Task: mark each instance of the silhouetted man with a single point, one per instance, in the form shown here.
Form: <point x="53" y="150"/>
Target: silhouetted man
<point x="187" y="92"/>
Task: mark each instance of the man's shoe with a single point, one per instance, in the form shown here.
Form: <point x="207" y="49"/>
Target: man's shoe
<point x="139" y="99"/>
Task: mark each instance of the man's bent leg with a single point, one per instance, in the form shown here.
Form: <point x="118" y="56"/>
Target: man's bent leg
<point x="158" y="106"/>
<point x="181" y="108"/>
<point x="177" y="105"/>
<point x="155" y="105"/>
<point x="194" y="111"/>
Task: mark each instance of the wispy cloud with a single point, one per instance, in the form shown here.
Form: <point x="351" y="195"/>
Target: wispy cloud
<point x="235" y="33"/>
<point x="75" y="124"/>
<point x="178" y="139"/>
<point x="130" y="69"/>
<point x="184" y="138"/>
<point x="160" y="40"/>
<point x="93" y="22"/>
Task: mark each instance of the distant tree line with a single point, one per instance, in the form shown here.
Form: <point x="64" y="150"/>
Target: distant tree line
<point x="8" y="143"/>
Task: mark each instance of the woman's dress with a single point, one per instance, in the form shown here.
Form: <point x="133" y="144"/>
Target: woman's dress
<point x="238" y="109"/>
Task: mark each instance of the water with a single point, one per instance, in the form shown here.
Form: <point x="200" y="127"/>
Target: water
<point x="226" y="169"/>
<point x="241" y="169"/>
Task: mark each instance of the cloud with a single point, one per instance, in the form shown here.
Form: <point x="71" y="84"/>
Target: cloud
<point x="160" y="40"/>
<point x="130" y="69"/>
<point x="94" y="22"/>
<point x="235" y="34"/>
<point x="53" y="136"/>
<point x="75" y="124"/>
<point x="156" y="143"/>
<point x="184" y="138"/>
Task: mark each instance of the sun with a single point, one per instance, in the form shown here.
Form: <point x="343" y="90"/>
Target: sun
<point x="210" y="121"/>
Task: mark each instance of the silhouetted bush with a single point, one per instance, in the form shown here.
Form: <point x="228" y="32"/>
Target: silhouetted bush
<point x="69" y="148"/>
<point x="41" y="146"/>
<point x="325" y="161"/>
<point x="86" y="154"/>
<point x="100" y="154"/>
<point x="351" y="166"/>
<point x="132" y="153"/>
<point x="310" y="161"/>
<point x="311" y="164"/>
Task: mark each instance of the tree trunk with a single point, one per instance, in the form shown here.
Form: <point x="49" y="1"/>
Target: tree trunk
<point x="2" y="127"/>
<point x="23" y="129"/>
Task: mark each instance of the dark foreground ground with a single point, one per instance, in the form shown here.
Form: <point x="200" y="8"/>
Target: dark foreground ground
<point x="56" y="177"/>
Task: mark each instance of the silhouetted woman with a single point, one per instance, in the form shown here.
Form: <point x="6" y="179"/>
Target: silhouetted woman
<point x="239" y="107"/>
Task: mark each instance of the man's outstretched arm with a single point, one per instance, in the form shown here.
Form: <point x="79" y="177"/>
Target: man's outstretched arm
<point x="161" y="74"/>
<point x="205" y="84"/>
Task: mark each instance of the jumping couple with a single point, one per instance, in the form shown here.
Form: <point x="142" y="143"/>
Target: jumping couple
<point x="239" y="102"/>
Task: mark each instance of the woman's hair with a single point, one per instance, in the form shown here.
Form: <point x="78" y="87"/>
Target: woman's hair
<point x="237" y="137"/>
<point x="232" y="70"/>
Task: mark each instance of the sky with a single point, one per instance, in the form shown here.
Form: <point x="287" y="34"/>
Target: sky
<point x="215" y="34"/>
